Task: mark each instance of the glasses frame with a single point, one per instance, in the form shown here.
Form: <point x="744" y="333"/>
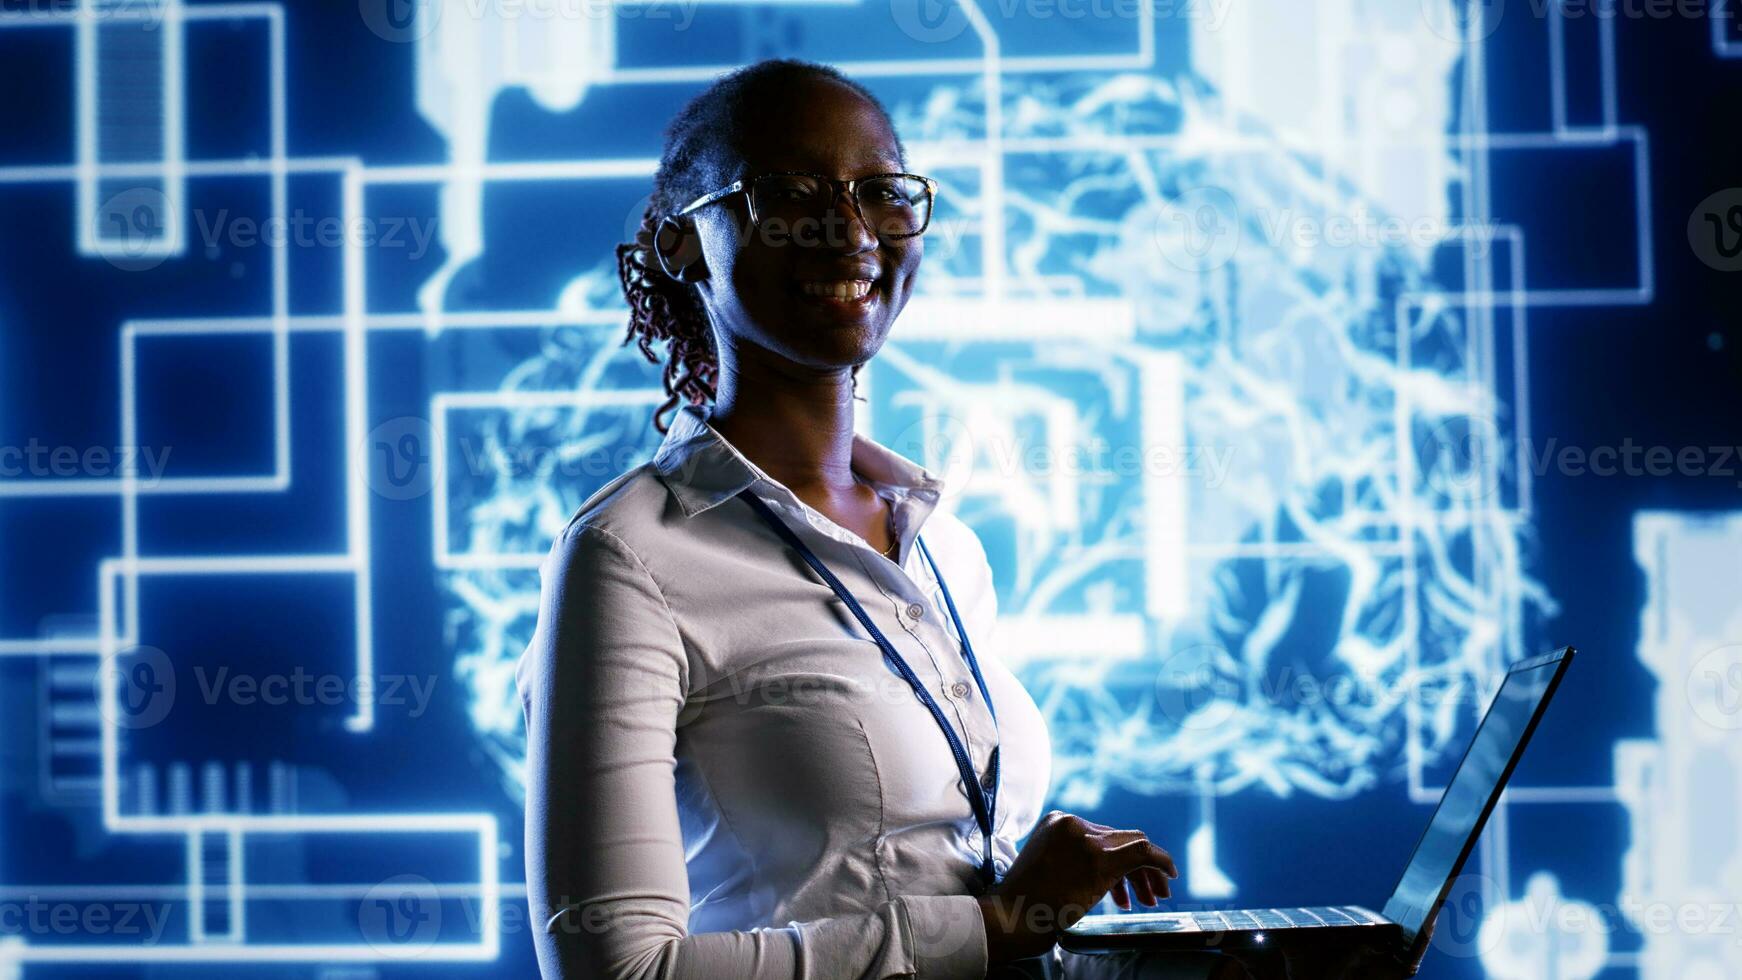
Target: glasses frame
<point x="849" y="186"/>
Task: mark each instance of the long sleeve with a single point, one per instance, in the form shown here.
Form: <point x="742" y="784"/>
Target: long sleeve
<point x="602" y="685"/>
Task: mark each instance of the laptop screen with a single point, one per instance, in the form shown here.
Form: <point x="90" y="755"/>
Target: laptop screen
<point x="1470" y="795"/>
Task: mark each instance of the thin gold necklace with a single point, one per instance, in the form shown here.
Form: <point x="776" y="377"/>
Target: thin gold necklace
<point x="895" y="543"/>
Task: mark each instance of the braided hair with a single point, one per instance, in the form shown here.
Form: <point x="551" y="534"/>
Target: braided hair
<point x="702" y="143"/>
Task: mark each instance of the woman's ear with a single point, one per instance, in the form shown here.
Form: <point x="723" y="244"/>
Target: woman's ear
<point x="679" y="249"/>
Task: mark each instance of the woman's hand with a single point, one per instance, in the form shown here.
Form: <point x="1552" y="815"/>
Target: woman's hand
<point x="1063" y="870"/>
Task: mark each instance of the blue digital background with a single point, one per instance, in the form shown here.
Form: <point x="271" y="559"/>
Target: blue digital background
<point x="342" y="456"/>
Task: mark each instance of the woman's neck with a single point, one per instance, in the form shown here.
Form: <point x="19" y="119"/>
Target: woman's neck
<point x="797" y="427"/>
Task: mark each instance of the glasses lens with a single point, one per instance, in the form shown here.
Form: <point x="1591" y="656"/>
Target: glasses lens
<point x="893" y="206"/>
<point x="789" y="198"/>
<point x="897" y="205"/>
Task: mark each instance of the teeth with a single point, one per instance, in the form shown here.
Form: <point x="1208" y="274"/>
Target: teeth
<point x="838" y="289"/>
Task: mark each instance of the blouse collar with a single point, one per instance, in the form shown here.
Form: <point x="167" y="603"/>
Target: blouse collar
<point x="702" y="469"/>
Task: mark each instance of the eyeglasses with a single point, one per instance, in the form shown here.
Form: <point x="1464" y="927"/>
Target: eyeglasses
<point x="891" y="205"/>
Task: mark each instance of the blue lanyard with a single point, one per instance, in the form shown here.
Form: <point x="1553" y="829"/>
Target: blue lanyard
<point x="983" y="802"/>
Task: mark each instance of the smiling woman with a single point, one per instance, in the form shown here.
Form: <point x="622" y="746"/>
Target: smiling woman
<point x="732" y="170"/>
<point x="732" y="772"/>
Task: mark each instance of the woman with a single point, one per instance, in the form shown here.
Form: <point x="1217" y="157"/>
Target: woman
<point x="729" y="773"/>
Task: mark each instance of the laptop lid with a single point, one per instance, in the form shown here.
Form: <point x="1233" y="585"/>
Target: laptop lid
<point x="1474" y="790"/>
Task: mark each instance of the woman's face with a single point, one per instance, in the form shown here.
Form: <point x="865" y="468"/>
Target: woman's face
<point x="761" y="284"/>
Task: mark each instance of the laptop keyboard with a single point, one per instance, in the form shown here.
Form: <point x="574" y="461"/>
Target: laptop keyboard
<point x="1313" y="918"/>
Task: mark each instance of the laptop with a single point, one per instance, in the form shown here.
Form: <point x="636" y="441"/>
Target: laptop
<point x="1439" y="856"/>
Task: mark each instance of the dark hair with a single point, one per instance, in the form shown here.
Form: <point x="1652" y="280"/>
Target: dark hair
<point x="702" y="143"/>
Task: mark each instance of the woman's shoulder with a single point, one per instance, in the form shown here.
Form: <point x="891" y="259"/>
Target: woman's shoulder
<point x="630" y="510"/>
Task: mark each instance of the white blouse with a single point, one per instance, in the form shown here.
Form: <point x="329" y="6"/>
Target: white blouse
<point x="725" y="778"/>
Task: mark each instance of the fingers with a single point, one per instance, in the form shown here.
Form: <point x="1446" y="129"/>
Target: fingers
<point x="1131" y="864"/>
<point x="1149" y="885"/>
<point x="1121" y="897"/>
<point x="1138" y="887"/>
<point x="1140" y="852"/>
<point x="1136" y="867"/>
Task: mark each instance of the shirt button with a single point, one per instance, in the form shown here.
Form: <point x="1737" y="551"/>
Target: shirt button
<point x="915" y="611"/>
<point x="958" y="690"/>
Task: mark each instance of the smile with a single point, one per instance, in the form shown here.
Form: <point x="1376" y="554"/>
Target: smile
<point x="850" y="290"/>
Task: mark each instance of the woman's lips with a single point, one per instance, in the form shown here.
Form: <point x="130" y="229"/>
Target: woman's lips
<point x="845" y="289"/>
<point x="840" y="295"/>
